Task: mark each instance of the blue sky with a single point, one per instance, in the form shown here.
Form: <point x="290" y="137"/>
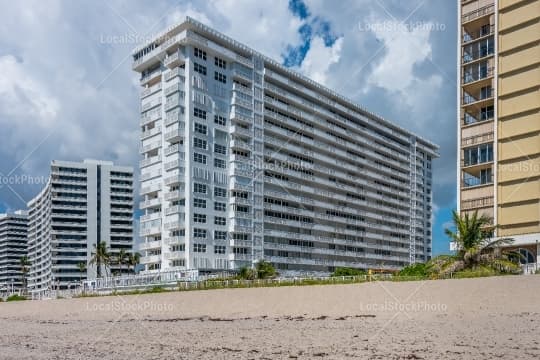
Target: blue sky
<point x="67" y="90"/>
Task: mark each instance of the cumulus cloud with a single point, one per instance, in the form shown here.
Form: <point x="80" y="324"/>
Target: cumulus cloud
<point x="319" y="58"/>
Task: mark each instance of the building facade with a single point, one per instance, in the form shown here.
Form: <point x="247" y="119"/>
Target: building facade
<point x="13" y="246"/>
<point x="244" y="159"/>
<point x="499" y="116"/>
<point x="82" y="205"/>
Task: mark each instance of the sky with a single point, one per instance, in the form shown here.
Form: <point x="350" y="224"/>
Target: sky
<point x="67" y="91"/>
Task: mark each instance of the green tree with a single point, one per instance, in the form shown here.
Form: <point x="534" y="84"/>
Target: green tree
<point x="346" y="271"/>
<point x="101" y="257"/>
<point x="265" y="270"/>
<point x="121" y="259"/>
<point x="247" y="273"/>
<point x="25" y="269"/>
<point x="476" y="248"/>
<point x="133" y="260"/>
<point x="82" y="268"/>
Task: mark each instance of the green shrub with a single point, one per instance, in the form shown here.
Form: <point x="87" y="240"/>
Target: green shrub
<point x="417" y="269"/>
<point x="479" y="271"/>
<point x="345" y="271"/>
<point x="265" y="270"/>
<point x="247" y="273"/>
<point x="15" y="297"/>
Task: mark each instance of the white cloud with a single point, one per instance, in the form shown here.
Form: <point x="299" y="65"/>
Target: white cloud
<point x="21" y="95"/>
<point x="404" y="49"/>
<point x="319" y="58"/>
<point x="267" y="27"/>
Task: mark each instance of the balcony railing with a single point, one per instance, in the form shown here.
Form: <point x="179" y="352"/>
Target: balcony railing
<point x="471" y="15"/>
<point x="482" y="116"/>
<point x="472" y="36"/>
<point x="476" y="54"/>
<point x="469" y="99"/>
<point x="478" y="75"/>
<point x="474" y="181"/>
<point x="477" y="203"/>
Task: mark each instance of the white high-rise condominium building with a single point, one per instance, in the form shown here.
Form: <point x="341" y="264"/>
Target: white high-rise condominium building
<point x="13" y="246"/>
<point x="82" y="205"/>
<point x="244" y="159"/>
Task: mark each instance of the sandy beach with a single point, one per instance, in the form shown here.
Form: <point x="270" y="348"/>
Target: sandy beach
<point x="483" y="318"/>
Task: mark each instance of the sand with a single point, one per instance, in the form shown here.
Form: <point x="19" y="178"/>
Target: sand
<point x="484" y="318"/>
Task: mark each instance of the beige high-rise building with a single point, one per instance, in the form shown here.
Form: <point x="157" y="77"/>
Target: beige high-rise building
<point x="499" y="116"/>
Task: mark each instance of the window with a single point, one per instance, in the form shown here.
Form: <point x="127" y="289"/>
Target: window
<point x="200" y="248"/>
<point x="199" y="233"/>
<point x="220" y="149"/>
<point x="199" y="143"/>
<point x="218" y="220"/>
<point x="219" y="163"/>
<point x="220" y="192"/>
<point x="201" y="114"/>
<point x="199" y="203"/>
<point x="220" y="63"/>
<point x="199" y="218"/>
<point x="219" y="206"/>
<point x="220" y="77"/>
<point x="237" y="250"/>
<point x="219" y="249"/>
<point x="199" y="188"/>
<point x="199" y="68"/>
<point x="220" y="235"/>
<point x="200" y="158"/>
<point x="201" y="129"/>
<point x="181" y="247"/>
<point x="201" y="54"/>
<point x="220" y="120"/>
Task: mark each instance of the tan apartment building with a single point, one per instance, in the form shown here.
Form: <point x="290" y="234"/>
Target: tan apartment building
<point x="499" y="116"/>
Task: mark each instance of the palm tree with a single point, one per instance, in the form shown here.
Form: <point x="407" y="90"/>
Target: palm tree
<point x="121" y="258"/>
<point x="101" y="257"/>
<point x="82" y="268"/>
<point x="25" y="268"/>
<point x="133" y="260"/>
<point x="473" y="237"/>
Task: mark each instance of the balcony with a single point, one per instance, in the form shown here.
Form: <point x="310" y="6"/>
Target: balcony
<point x="150" y="189"/>
<point x="174" y="195"/>
<point x="175" y="240"/>
<point x="174" y="135"/>
<point x="178" y="87"/>
<point x="150" y="203"/>
<point x="180" y="72"/>
<point x="241" y="88"/>
<point x="242" y="145"/>
<point x="150" y="245"/>
<point x="149" y="161"/>
<point x="477" y="203"/>
<point x="478" y="13"/>
<point x="174" y="180"/>
<point x="150" y="259"/>
<point x="171" y="104"/>
<point x="470" y="36"/>
<point x="149" y="147"/>
<point x="150" y="116"/>
<point x="483" y="95"/>
<point x="237" y="116"/>
<point x="173" y="209"/>
<point x="483" y="73"/>
<point x="155" y="230"/>
<point x="150" y="90"/>
<point x="237" y="130"/>
<point x="174" y="225"/>
<point x="470" y="55"/>
<point x="477" y="139"/>
<point x="148" y="217"/>
<point x="174" y="60"/>
<point x="478" y="155"/>
<point x="150" y="132"/>
<point x="151" y="78"/>
<point x="486" y="114"/>
<point x="175" y="255"/>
